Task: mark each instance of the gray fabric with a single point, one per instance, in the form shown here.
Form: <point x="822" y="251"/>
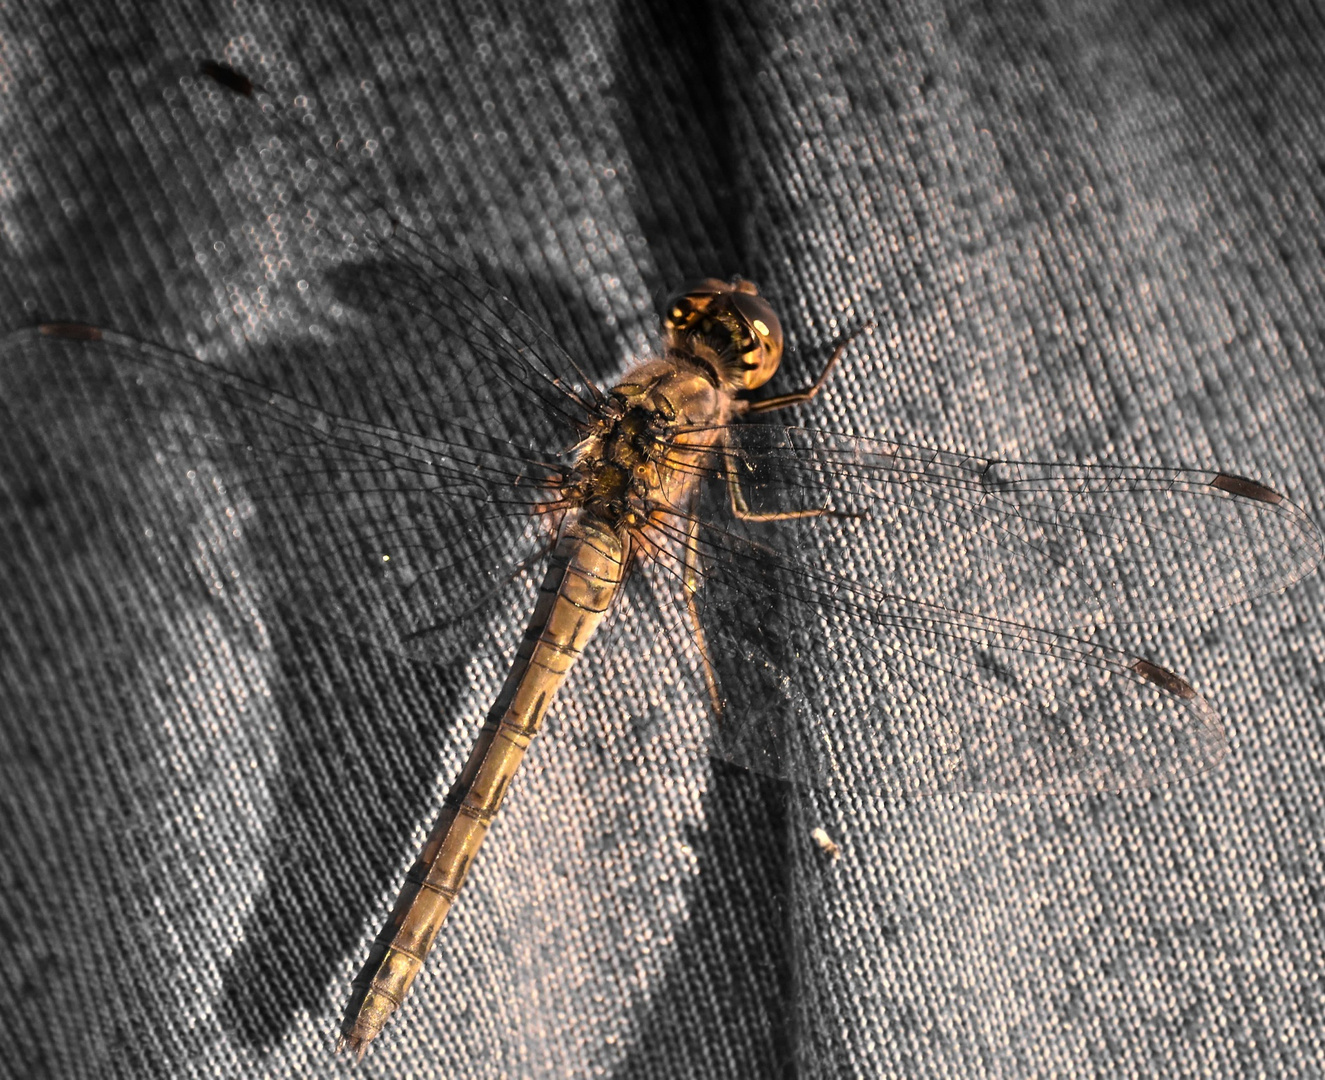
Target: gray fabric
<point x="1086" y="231"/>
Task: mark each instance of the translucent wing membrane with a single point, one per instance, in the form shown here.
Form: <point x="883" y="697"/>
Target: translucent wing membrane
<point x="824" y="678"/>
<point x="902" y="628"/>
<point x="423" y="300"/>
<point x="1067" y="545"/>
<point x="395" y="532"/>
<point x="395" y="440"/>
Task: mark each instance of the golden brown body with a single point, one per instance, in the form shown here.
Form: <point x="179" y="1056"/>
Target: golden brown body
<point x="629" y="487"/>
<point x="583" y="573"/>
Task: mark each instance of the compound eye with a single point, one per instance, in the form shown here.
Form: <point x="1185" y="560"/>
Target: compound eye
<point x="758" y="315"/>
<point x="684" y="306"/>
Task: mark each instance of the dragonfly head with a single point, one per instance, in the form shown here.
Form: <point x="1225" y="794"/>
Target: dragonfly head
<point x="729" y="325"/>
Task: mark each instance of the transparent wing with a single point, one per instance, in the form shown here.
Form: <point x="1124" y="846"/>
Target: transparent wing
<point x="1070" y="545"/>
<point x="912" y="639"/>
<point x="395" y="531"/>
<point x="390" y="427"/>
<point x="419" y="300"/>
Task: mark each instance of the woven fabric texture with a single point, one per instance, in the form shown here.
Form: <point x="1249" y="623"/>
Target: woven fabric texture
<point x="1086" y="231"/>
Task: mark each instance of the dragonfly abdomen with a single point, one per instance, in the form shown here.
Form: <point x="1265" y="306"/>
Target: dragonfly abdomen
<point x="583" y="574"/>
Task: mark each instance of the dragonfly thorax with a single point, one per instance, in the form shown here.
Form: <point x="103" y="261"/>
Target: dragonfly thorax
<point x="616" y="466"/>
<point x="630" y="468"/>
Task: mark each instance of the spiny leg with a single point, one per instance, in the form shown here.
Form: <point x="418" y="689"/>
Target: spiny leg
<point x="808" y="393"/>
<point x="741" y="509"/>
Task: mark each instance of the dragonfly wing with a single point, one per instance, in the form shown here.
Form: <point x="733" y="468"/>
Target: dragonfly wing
<point x="413" y="290"/>
<point x="387" y="427"/>
<point x="915" y="639"/>
<point x="373" y="507"/>
<point x="1077" y="545"/>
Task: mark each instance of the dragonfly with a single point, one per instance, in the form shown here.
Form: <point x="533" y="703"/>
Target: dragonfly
<point x="891" y="617"/>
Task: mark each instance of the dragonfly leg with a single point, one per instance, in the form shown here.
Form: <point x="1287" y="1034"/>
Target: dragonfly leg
<point x="808" y="393"/>
<point x="741" y="509"/>
<point x="691" y="585"/>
